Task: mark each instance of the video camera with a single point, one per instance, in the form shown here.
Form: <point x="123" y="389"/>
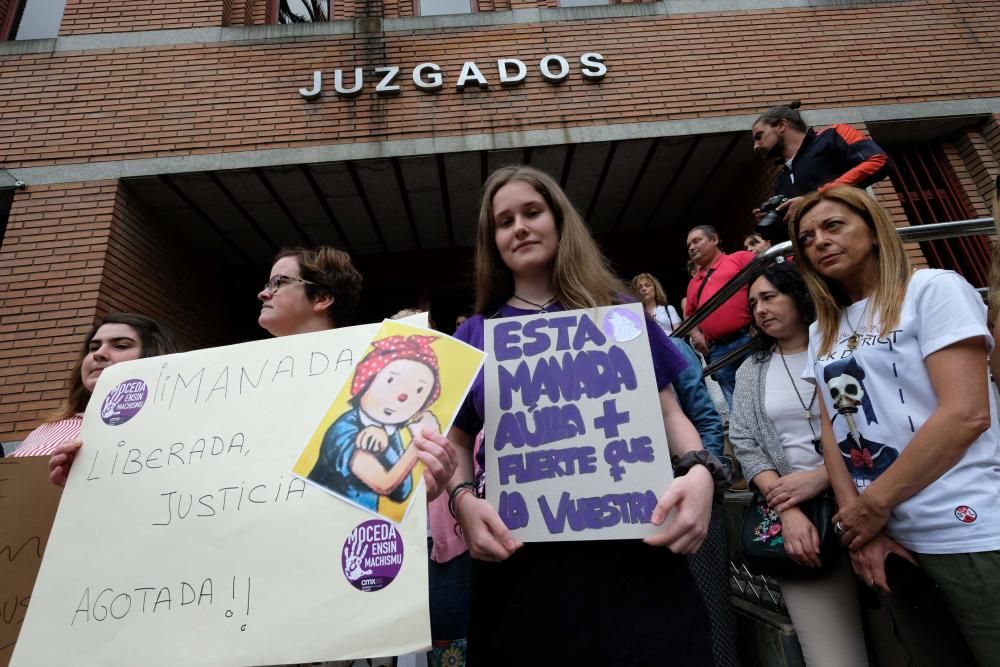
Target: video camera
<point x="771" y="227"/>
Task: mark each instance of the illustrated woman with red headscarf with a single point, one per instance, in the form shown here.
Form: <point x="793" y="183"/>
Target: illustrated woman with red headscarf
<point x="362" y="455"/>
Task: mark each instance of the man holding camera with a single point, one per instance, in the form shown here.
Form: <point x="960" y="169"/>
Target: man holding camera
<point x="838" y="155"/>
<point x="727" y="328"/>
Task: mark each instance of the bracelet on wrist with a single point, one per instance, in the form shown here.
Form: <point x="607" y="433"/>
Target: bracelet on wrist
<point x="469" y="487"/>
<point x="682" y="464"/>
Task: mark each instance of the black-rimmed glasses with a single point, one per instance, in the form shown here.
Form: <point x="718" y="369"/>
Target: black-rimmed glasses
<point x="277" y="281"/>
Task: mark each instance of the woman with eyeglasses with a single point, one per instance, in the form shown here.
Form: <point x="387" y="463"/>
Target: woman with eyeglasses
<point x="115" y="338"/>
<point x="774" y="430"/>
<point x="309" y="290"/>
<point x="318" y="289"/>
<point x="909" y="422"/>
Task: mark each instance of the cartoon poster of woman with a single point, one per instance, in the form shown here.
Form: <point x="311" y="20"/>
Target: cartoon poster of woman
<point x="409" y="379"/>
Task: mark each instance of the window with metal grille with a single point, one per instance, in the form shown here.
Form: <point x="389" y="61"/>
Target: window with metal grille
<point x="303" y="11"/>
<point x="930" y="192"/>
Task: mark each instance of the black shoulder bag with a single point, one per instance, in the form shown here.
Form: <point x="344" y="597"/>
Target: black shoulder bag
<point x="764" y="545"/>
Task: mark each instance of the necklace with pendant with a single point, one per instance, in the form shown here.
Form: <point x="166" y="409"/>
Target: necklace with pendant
<point x="540" y="306"/>
<point x="855" y="338"/>
<point x="806" y="409"/>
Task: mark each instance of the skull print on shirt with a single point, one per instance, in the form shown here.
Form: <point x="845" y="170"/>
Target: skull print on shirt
<point x="865" y="459"/>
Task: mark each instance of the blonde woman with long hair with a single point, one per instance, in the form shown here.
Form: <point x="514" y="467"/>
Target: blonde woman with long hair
<point x="909" y="430"/>
<point x="654" y="300"/>
<point x="610" y="602"/>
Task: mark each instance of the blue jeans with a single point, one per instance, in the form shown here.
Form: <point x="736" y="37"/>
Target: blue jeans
<point x="726" y="376"/>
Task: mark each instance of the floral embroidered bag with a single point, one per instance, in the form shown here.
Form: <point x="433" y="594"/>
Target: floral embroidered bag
<point x="764" y="545"/>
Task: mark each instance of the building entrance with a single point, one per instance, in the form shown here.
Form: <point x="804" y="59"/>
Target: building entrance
<point x="409" y="221"/>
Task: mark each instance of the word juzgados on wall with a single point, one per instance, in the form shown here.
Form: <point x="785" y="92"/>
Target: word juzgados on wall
<point x="429" y="77"/>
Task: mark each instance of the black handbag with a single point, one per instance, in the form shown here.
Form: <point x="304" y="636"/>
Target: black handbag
<point x="764" y="545"/>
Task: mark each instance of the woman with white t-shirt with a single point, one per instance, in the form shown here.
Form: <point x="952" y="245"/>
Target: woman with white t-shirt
<point x="654" y="300"/>
<point x="909" y="428"/>
<point x="777" y="446"/>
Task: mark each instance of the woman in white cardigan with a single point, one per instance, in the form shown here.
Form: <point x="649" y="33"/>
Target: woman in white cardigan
<point x="774" y="429"/>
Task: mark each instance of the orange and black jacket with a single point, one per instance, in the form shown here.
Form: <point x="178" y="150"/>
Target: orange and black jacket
<point x="838" y="155"/>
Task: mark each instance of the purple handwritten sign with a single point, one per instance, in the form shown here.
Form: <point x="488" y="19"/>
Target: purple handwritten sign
<point x="575" y="446"/>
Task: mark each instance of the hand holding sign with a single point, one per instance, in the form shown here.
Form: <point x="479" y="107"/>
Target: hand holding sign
<point x="209" y="434"/>
<point x="485" y="533"/>
<point x="438" y="456"/>
<point x="61" y="460"/>
<point x="691" y="496"/>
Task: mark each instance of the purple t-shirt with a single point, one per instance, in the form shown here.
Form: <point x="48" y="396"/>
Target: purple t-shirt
<point x="668" y="363"/>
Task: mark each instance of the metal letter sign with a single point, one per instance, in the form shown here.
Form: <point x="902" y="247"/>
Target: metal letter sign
<point x="429" y="78"/>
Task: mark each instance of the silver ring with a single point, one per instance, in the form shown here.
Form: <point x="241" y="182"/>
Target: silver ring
<point x="838" y="528"/>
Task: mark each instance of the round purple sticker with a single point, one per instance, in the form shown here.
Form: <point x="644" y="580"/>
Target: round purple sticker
<point x="622" y="325"/>
<point x="373" y="554"/>
<point x="123" y="402"/>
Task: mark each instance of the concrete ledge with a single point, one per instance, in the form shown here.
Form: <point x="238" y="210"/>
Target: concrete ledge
<point x="270" y="34"/>
<point x="766" y="638"/>
<point x="91" y="171"/>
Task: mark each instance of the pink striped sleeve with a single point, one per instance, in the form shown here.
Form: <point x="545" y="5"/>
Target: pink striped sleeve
<point x="47" y="437"/>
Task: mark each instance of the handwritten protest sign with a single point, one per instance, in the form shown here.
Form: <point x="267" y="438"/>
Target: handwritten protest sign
<point x="182" y="538"/>
<point x="409" y="379"/>
<point x="575" y="446"/>
<point x="28" y="503"/>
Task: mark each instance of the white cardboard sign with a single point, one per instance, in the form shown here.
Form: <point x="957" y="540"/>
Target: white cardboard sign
<point x="183" y="539"/>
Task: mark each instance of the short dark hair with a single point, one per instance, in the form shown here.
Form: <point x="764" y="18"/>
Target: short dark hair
<point x="786" y="279"/>
<point x="784" y="112"/>
<point x="334" y="275"/>
<point x="708" y="230"/>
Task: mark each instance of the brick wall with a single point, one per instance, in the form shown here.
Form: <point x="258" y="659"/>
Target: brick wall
<point x="71" y="254"/>
<point x="262" y="12"/>
<point x="991" y="135"/>
<point x="6" y="6"/>
<point x="962" y="156"/>
<point x="991" y="132"/>
<point x="76" y="251"/>
<point x="890" y="201"/>
<point x="96" y="16"/>
<point x="979" y="165"/>
<point x="129" y="103"/>
<point x="148" y="270"/>
<point x="50" y="264"/>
